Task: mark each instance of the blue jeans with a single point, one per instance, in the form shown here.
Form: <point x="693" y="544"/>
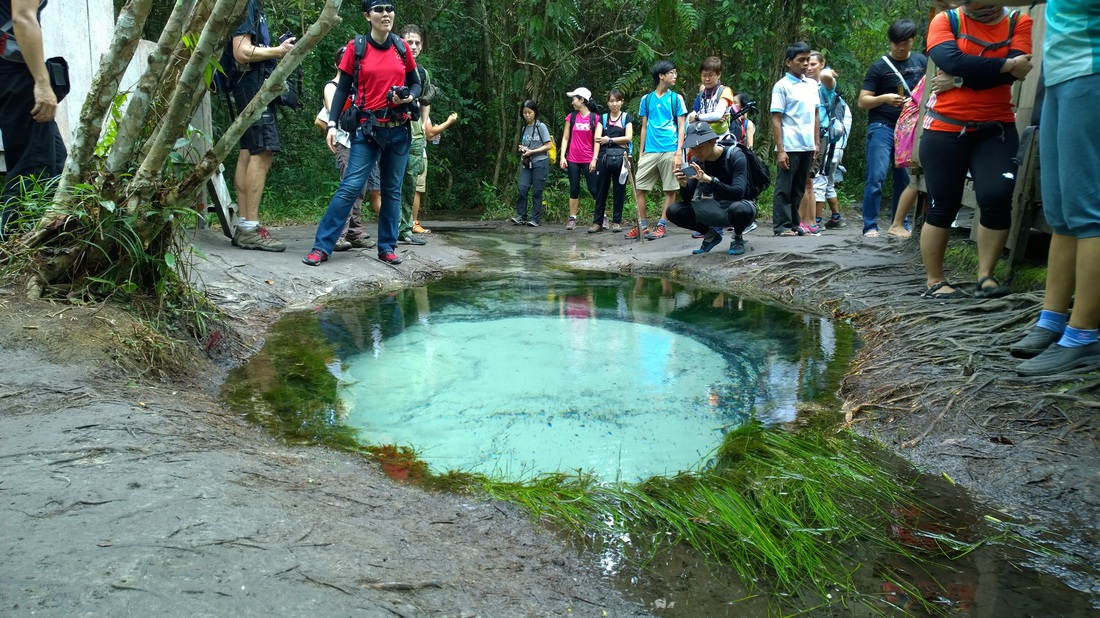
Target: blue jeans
<point x="880" y="157"/>
<point x="389" y="148"/>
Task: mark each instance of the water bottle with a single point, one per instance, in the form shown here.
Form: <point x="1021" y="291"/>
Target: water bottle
<point x="435" y="140"/>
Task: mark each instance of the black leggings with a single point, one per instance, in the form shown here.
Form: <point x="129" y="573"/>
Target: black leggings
<point x="987" y="154"/>
<point x="591" y="179"/>
<point x="702" y="215"/>
<point x="609" y="169"/>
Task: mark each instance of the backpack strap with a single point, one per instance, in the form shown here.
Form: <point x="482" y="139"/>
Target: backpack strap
<point x="399" y="45"/>
<point x="953" y="18"/>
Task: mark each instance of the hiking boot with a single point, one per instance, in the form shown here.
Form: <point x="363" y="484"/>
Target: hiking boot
<point x="1033" y="344"/>
<point x="1060" y="359"/>
<point x="710" y="240"/>
<point x="596" y="227"/>
<point x="518" y="221"/>
<point x="658" y="232"/>
<point x="361" y="242"/>
<point x="737" y="246"/>
<point x="532" y="223"/>
<point x="258" y="238"/>
<point x="633" y="233"/>
<point x="342" y="244"/>
<point x="835" y="223"/>
<point x="315" y="258"/>
<point x="571" y="224"/>
<point x="418" y="229"/>
<point x="616" y="227"/>
<point x="409" y="238"/>
<point x="389" y="257"/>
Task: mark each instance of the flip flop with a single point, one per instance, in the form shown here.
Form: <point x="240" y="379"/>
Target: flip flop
<point x="933" y="293"/>
<point x="787" y="233"/>
<point x="996" y="291"/>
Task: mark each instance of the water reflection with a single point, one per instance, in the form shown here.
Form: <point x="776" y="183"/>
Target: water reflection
<point x="626" y="377"/>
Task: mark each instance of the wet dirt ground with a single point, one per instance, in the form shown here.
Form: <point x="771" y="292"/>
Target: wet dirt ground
<point x="128" y="491"/>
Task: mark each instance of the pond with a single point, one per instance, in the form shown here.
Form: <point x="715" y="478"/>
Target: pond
<point x="521" y="368"/>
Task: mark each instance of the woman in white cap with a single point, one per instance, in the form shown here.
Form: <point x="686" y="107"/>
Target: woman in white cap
<point x="578" y="142"/>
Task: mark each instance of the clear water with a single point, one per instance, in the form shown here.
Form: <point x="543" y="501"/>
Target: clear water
<point x="625" y="378"/>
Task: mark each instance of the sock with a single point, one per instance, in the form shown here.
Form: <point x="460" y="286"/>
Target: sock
<point x="661" y="222"/>
<point x="1053" y="321"/>
<point x="1077" y="337"/>
<point x="836" y="216"/>
<point x="817" y="221"/>
<point x="573" y="217"/>
<point x="248" y="226"/>
<point x="641" y="224"/>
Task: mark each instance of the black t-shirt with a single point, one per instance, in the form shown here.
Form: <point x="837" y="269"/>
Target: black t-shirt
<point x="6" y="15"/>
<point x="881" y="79"/>
<point x="730" y="177"/>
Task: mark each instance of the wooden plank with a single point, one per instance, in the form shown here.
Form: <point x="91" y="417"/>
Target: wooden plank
<point x="1023" y="200"/>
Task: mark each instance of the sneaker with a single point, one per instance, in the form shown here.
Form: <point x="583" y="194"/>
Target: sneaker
<point x="596" y="227"/>
<point x="361" y="242"/>
<point x="616" y="227"/>
<point x="258" y="238"/>
<point x="737" y="246"/>
<point x="417" y="229"/>
<point x="1034" y="343"/>
<point x="658" y="232"/>
<point x="1060" y="359"/>
<point x="808" y="230"/>
<point x="571" y="224"/>
<point x="315" y="258"/>
<point x="710" y="240"/>
<point x="752" y="226"/>
<point x="342" y="244"/>
<point x="532" y="224"/>
<point x="835" y="223"/>
<point x="633" y="233"/>
<point x="518" y="221"/>
<point x="409" y="238"/>
<point x="389" y="257"/>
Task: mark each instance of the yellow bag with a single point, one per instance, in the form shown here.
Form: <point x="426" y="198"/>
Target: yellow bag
<point x="553" y="152"/>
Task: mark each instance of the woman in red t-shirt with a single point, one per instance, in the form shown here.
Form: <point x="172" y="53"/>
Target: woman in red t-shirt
<point x="969" y="126"/>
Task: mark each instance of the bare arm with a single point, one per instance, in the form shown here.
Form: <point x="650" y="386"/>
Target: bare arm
<point x="246" y="52"/>
<point x="782" y="160"/>
<point x="432" y="130"/>
<point x="868" y="100"/>
<point x="565" y="144"/>
<point x="29" y="35"/>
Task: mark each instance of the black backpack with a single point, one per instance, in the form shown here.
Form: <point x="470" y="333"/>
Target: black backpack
<point x="758" y="177"/>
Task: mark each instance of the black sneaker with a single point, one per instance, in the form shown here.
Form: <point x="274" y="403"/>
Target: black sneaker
<point x="710" y="240"/>
<point x="737" y="245"/>
<point x="1033" y="344"/>
<point x="1060" y="359"/>
<point x="835" y="223"/>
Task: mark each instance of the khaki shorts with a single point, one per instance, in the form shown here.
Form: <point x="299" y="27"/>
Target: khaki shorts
<point x="422" y="179"/>
<point x="653" y="167"/>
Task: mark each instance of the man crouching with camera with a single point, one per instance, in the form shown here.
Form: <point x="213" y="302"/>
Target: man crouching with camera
<point x="713" y="190"/>
<point x="384" y="82"/>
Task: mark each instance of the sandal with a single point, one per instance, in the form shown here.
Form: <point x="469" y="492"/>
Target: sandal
<point x="871" y="234"/>
<point x="788" y="233"/>
<point x="993" y="291"/>
<point x="933" y="293"/>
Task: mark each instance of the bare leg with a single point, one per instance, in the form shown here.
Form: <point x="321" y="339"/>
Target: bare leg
<point x="376" y="201"/>
<point x="806" y="207"/>
<point x="933" y="246"/>
<point x="834" y="206"/>
<point x="255" y="178"/>
<point x="906" y="203"/>
<point x="240" y="183"/>
<point x="991" y="244"/>
<point x="1061" y="266"/>
<point x="639" y="201"/>
<point x="670" y="197"/>
<point x="574" y="202"/>
<point x="1086" y="308"/>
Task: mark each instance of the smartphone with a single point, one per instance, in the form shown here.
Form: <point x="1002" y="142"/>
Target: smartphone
<point x="688" y="171"/>
<point x="286" y="35"/>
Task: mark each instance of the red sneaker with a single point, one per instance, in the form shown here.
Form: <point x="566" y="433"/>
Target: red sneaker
<point x="658" y="232"/>
<point x="633" y="233"/>
<point x="389" y="257"/>
<point x="315" y="258"/>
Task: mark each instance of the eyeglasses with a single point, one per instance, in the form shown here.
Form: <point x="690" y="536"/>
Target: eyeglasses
<point x="382" y="8"/>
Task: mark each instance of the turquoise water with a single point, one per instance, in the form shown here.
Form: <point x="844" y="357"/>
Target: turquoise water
<point x="625" y="378"/>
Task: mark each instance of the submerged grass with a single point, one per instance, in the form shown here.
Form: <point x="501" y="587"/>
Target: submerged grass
<point x="791" y="507"/>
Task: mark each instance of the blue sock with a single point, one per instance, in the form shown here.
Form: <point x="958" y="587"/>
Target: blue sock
<point x="836" y="216"/>
<point x="1077" y="337"/>
<point x="817" y="221"/>
<point x="641" y="224"/>
<point x="662" y="222"/>
<point x="1053" y="321"/>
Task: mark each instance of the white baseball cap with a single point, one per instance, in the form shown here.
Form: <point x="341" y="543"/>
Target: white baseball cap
<point x="581" y="92"/>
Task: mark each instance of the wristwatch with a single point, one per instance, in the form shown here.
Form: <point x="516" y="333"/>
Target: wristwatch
<point x="958" y="81"/>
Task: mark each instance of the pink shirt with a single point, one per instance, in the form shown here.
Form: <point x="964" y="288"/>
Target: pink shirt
<point x="582" y="138"/>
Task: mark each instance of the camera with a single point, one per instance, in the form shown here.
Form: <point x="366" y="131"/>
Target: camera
<point x="286" y="35"/>
<point x="399" y="92"/>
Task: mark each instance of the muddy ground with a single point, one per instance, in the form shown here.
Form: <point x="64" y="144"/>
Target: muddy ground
<point x="128" y="488"/>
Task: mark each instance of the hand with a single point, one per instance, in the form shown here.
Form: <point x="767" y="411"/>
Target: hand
<point x="677" y="160"/>
<point x="592" y="166"/>
<point x="330" y="139"/>
<point x="679" y="174"/>
<point x="287" y="45"/>
<point x="452" y="117"/>
<point x="564" y="164"/>
<point x="396" y="101"/>
<point x="1022" y="66"/>
<point x="894" y="99"/>
<point x="783" y="160"/>
<point x="45" y="103"/>
<point x="692" y="116"/>
<point x="942" y="82"/>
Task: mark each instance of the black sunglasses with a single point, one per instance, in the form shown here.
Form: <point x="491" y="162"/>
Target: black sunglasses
<point x="382" y="8"/>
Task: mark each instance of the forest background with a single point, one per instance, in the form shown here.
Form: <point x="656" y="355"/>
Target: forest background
<point x="488" y="56"/>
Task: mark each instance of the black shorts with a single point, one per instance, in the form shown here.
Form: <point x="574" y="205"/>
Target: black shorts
<point x="263" y="135"/>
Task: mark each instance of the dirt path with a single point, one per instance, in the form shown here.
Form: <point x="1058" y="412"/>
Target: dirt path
<point x="126" y="495"/>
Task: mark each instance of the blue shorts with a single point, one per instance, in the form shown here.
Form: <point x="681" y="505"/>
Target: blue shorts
<point x="1069" y="155"/>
